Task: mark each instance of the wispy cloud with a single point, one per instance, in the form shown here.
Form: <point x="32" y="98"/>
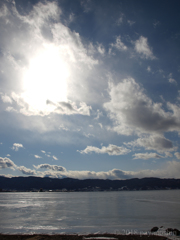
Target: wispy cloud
<point x="37" y="156"/>
<point x="54" y="157"/>
<point x="146" y="156"/>
<point x="120" y="19"/>
<point x="130" y="22"/>
<point x="171" y="79"/>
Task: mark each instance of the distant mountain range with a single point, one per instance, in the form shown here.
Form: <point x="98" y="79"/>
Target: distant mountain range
<point x="70" y="184"/>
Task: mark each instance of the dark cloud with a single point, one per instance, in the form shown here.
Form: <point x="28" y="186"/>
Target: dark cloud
<point x="26" y="171"/>
<point x="50" y="102"/>
<point x="51" y="167"/>
<point x="111" y="150"/>
<point x="7" y="163"/>
<point x="134" y="112"/>
<point x="119" y="174"/>
<point x="67" y="105"/>
<point x="146" y="156"/>
<point x="153" y="142"/>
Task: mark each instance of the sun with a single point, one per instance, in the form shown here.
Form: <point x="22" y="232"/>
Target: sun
<point x="45" y="79"/>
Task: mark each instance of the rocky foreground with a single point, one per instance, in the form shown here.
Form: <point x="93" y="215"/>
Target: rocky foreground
<point x="81" y="237"/>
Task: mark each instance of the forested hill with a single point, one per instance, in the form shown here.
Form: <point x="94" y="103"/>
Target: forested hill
<point x="69" y="184"/>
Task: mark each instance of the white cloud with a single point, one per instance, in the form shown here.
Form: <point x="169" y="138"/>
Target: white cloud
<point x="118" y="44"/>
<point x="149" y="69"/>
<point x="130" y="22"/>
<point x="44" y="48"/>
<point x="177" y="154"/>
<point x="43" y="151"/>
<point x="88" y="135"/>
<point x="99" y="114"/>
<point x="168" y="154"/>
<point x="26" y="171"/>
<point x="55" y="158"/>
<point x="154" y="142"/>
<point x="111" y="150"/>
<point x="132" y="111"/>
<point x="37" y="156"/>
<point x="3" y="11"/>
<point x="86" y="4"/>
<point x="146" y="156"/>
<point x="142" y="47"/>
<point x="71" y="18"/>
<point x="16" y="146"/>
<point x="156" y="23"/>
<point x="62" y="127"/>
<point x="51" y="167"/>
<point x="7" y="163"/>
<point x="175" y="110"/>
<point x="6" y="99"/>
<point x="171" y="79"/>
<point x="7" y="175"/>
<point x="120" y="19"/>
<point x="101" y="49"/>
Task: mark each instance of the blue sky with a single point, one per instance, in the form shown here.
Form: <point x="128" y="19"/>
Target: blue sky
<point x="90" y="89"/>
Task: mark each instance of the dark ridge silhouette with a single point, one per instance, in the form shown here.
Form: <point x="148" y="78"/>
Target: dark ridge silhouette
<point x="70" y="184"/>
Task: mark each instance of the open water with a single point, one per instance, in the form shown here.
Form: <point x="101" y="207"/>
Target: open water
<point x="88" y="212"/>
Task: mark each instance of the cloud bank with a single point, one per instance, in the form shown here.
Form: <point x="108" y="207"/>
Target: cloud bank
<point x="170" y="170"/>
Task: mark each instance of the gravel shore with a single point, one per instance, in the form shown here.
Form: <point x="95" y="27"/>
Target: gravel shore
<point x="81" y="237"/>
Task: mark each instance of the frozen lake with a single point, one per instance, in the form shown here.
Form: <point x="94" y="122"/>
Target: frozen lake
<point x="88" y="212"/>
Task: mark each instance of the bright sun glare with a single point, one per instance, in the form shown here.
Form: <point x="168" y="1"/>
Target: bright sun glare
<point x="45" y="79"/>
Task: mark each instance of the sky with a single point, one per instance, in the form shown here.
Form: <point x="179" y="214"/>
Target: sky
<point x="90" y="89"/>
